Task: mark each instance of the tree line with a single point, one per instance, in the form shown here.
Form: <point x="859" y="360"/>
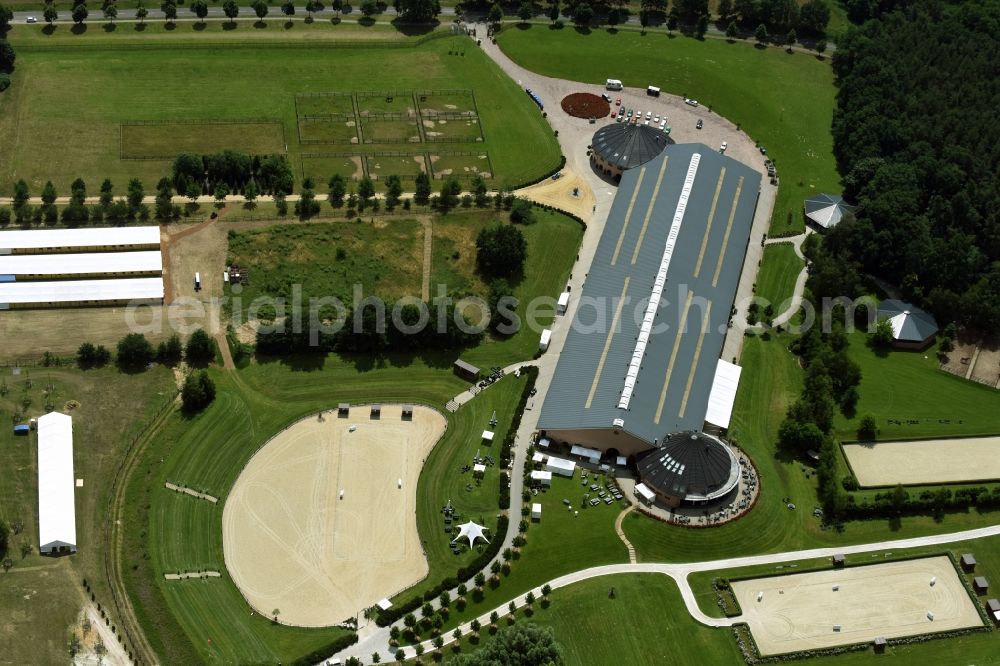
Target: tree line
<point x="7" y="54"/>
<point x="918" y="145"/>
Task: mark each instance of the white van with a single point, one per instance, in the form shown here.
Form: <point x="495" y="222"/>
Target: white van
<point x="563" y="303"/>
<point x="652" y="91"/>
<point x="613" y="84"/>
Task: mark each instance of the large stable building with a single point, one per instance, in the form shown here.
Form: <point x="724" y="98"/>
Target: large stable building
<point x="642" y="357"/>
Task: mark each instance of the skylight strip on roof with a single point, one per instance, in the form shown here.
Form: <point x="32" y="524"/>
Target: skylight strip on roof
<point x="658" y="283"/>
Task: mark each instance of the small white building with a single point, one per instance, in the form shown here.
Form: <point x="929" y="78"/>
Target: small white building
<point x="621" y="461"/>
<point x="542" y="478"/>
<point x="478" y="469"/>
<point x="538" y="457"/>
<point x="56" y="485"/>
<point x="560" y="466"/>
<point x="544" y="442"/>
<point x="543" y="342"/>
<point x="487" y="436"/>
<point x="536" y="511"/>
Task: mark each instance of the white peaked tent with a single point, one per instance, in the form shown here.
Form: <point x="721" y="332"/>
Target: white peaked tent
<point x="827" y="210"/>
<point x="471" y="531"/>
<point x="56" y="488"/>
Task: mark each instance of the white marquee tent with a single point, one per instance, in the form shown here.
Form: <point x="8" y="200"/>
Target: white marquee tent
<point x="471" y="531"/>
<point x="56" y="486"/>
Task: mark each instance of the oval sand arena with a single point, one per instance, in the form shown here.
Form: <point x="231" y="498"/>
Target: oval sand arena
<point x="322" y="521"/>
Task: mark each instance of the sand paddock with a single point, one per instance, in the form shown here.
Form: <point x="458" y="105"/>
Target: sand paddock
<point x="925" y="461"/>
<point x="799" y="611"/>
<point x="291" y="544"/>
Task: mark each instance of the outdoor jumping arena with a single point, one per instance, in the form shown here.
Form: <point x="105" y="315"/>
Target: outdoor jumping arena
<point x="321" y="523"/>
<point x="823" y="609"/>
<point x="925" y="461"/>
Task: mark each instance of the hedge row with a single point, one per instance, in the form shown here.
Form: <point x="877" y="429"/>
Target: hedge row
<point x="321" y="654"/>
<point x="387" y="617"/>
<point x="508" y="441"/>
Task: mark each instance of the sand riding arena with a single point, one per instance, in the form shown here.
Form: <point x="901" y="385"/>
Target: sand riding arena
<point x="824" y="609"/>
<point x="322" y="521"/>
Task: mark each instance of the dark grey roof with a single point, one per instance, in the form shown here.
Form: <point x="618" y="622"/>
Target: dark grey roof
<point x="827" y="210"/>
<point x="909" y="323"/>
<point x="624" y="266"/>
<point x="465" y="365"/>
<point x="689" y="463"/>
<point x="627" y="145"/>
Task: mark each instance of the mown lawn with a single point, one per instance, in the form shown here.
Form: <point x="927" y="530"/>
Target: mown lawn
<point x="779" y="268"/>
<point x="903" y="386"/>
<point x="783" y="101"/>
<point x="48" y="139"/>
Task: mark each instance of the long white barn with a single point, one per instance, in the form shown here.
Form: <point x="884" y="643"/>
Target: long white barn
<point x="47" y="266"/>
<point x="94" y="239"/>
<point x="80" y="292"/>
<point x="56" y="486"/>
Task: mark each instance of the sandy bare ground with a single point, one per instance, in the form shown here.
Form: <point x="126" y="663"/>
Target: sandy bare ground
<point x="113" y="655"/>
<point x="559" y="194"/>
<point x="925" y="461"/>
<point x="799" y="612"/>
<point x="292" y="544"/>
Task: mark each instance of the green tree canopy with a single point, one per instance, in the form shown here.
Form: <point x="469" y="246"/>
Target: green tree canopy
<point x="501" y="251"/>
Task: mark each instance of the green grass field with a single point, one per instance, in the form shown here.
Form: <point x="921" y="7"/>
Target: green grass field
<point x="783" y="101"/>
<point x="904" y="386"/>
<point x="327" y="131"/>
<point x="165" y="140"/>
<point x="323" y="167"/>
<point x="779" y="268"/>
<point x="41" y="596"/>
<point x="51" y="140"/>
<point x="445" y="164"/>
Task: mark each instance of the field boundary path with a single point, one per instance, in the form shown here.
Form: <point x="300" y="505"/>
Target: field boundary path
<point x="184" y="575"/>
<point x="192" y="493"/>
<point x="425" y="285"/>
<point x="800" y="281"/>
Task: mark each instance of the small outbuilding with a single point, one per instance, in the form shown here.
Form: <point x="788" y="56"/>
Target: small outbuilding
<point x="538" y="458"/>
<point x="912" y="328"/>
<point x="536" y="511"/>
<point x="376" y="412"/>
<point x="544" y="442"/>
<point x="643" y="492"/>
<point x="22" y="430"/>
<point x="968" y="562"/>
<point x="466" y="371"/>
<point x="478" y="469"/>
<point x="980" y="585"/>
<point x="993" y="610"/>
<point x="541" y="478"/>
<point x="838" y="560"/>
<point x="560" y="466"/>
<point x="407" y="412"/>
<point x="488" y="436"/>
<point x="879" y="645"/>
<point x="56" y="486"/>
<point x="343" y="410"/>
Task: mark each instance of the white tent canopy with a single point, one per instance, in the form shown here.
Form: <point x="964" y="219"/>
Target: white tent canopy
<point x="591" y="454"/>
<point x="65" y="239"/>
<point x="723" y="395"/>
<point x="560" y="466"/>
<point x="643" y="491"/>
<point x="488" y="435"/>
<point x="56" y="486"/>
<point x="471" y="531"/>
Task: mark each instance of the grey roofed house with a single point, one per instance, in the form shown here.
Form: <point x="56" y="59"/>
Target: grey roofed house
<point x="625" y="145"/>
<point x="827" y="210"/>
<point x="690" y="465"/>
<point x="909" y="323"/>
<point x="980" y="584"/>
<point x="968" y="562"/>
<point x="677" y="368"/>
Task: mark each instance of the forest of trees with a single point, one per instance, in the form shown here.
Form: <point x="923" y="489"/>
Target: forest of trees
<point x="917" y="138"/>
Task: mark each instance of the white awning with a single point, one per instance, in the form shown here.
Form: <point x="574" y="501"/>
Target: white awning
<point x="471" y="531"/>
<point x="479" y="468"/>
<point x="592" y="454"/>
<point x="544" y="442"/>
<point x="621" y="461"/>
<point x="560" y="466"/>
<point x="384" y="604"/>
<point x="487" y="435"/>
<point x="538" y="457"/>
<point x="643" y="491"/>
<point x="723" y="395"/>
<point x="544" y="477"/>
<point x="98" y="237"/>
<point x="81" y="291"/>
<point x="536" y="509"/>
<point x="56" y="486"/>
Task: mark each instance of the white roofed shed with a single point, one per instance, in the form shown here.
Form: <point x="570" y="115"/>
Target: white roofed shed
<point x="56" y="486"/>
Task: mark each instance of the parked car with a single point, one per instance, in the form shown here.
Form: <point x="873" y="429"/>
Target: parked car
<point x="606" y="97"/>
<point x="630" y="113"/>
<point x="31" y="19"/>
<point x="722" y="148"/>
<point x="618" y="102"/>
<point x="621" y="118"/>
<point x="656" y="118"/>
<point x="691" y="102"/>
<point x="699" y="124"/>
<point x="649" y="114"/>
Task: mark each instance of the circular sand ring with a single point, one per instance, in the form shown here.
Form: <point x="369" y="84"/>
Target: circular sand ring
<point x="585" y="105"/>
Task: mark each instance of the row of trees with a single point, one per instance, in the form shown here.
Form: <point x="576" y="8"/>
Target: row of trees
<point x="77" y="212"/>
<point x="7" y="55"/>
<point x="135" y="353"/>
<point x="192" y="175"/>
<point x="919" y="151"/>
